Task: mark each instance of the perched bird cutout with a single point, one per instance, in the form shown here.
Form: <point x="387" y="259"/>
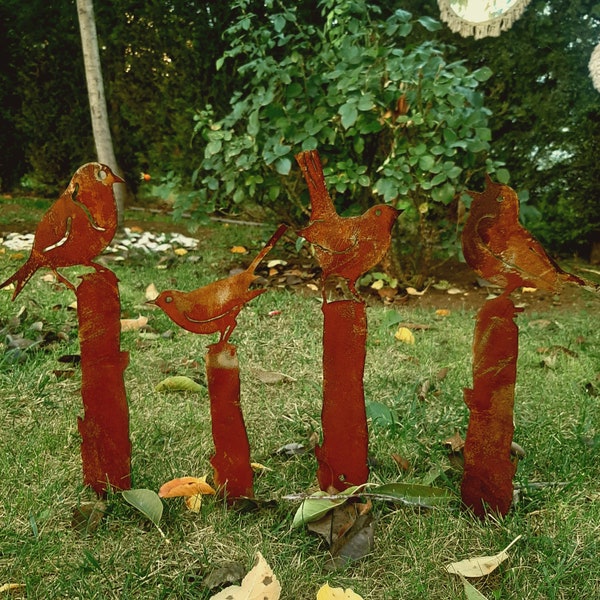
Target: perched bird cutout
<point x="498" y="248"/>
<point x="76" y="228"/>
<point x="345" y="246"/>
<point x="214" y="307"/>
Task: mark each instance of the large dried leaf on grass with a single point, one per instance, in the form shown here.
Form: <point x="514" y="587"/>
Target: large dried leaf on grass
<point x="480" y="565"/>
<point x="471" y="592"/>
<point x="259" y="584"/>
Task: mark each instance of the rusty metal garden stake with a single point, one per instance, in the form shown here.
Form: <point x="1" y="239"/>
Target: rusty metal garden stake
<point x="211" y="309"/>
<point x="104" y="428"/>
<point x="488" y="476"/>
<point x="342" y="456"/>
<point x="346" y="247"/>
<point x="73" y="231"/>
<point x="231" y="460"/>
<point x="498" y="248"/>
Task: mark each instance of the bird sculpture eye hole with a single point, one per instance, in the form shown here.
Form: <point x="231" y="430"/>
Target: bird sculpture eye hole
<point x="102" y="175"/>
<point x="500" y="198"/>
<point x="169" y="299"/>
<point x="378" y="212"/>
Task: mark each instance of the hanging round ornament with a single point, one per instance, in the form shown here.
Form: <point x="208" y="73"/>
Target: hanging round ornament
<point x="481" y="18"/>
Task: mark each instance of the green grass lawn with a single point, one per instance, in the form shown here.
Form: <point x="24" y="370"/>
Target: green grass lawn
<point x="557" y="419"/>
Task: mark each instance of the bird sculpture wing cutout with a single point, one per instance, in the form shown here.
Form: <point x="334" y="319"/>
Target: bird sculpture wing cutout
<point x="345" y="246"/>
<point x="76" y="228"/>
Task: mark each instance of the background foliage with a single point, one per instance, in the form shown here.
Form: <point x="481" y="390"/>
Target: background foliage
<point x="159" y="61"/>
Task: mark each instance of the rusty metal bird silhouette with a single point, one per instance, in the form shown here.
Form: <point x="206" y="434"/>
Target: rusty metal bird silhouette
<point x="345" y="246"/>
<point x="214" y="307"/>
<point x="498" y="248"/>
<point x="76" y="228"/>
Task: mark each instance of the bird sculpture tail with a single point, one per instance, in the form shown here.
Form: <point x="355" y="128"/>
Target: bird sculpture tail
<point x="21" y="277"/>
<point x="322" y="206"/>
<point x="267" y="248"/>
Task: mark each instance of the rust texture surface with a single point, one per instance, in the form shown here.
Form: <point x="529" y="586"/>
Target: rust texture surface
<point x="489" y="471"/>
<point x="345" y="247"/>
<point x="231" y="460"/>
<point x="498" y="248"/>
<point x="342" y="457"/>
<point x="73" y="231"/>
<point x="214" y="309"/>
<point x="76" y="228"/>
<point x="104" y="428"/>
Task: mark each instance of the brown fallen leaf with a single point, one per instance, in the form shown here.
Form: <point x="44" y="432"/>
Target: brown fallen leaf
<point x="238" y="250"/>
<point x="401" y="462"/>
<point x="228" y="572"/>
<point x="454" y="442"/>
<point x="88" y="516"/>
<point x="354" y="545"/>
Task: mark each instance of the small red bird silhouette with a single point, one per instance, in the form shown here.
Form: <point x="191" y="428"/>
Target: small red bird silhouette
<point x="498" y="248"/>
<point x="345" y="246"/>
<point x="215" y="307"/>
<point x="76" y="228"/>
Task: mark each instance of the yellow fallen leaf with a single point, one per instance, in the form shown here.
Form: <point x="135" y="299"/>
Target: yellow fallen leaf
<point x="259" y="584"/>
<point x="405" y="335"/>
<point x="442" y="312"/>
<point x="257" y="467"/>
<point x="238" y="250"/>
<point x="180" y="251"/>
<point x="11" y="587"/>
<point x="49" y="278"/>
<point x="329" y="593"/>
<point x="480" y="565"/>
<point x="377" y="284"/>
<point x="133" y="324"/>
<point x="528" y="290"/>
<point x="453" y="291"/>
<point x="194" y="503"/>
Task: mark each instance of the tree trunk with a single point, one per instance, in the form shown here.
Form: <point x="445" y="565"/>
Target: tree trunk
<point x="95" y="86"/>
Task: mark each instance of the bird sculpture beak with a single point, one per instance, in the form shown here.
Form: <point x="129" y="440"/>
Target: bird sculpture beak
<point x="117" y="179"/>
<point x="152" y="302"/>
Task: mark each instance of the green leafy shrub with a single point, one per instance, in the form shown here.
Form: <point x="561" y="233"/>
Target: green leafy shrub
<point x="393" y="121"/>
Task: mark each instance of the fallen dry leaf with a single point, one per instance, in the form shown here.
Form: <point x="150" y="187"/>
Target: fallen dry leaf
<point x="455" y="442"/>
<point x="133" y="324"/>
<point x="238" y="250"/>
<point x="11" y="587"/>
<point x="180" y="251"/>
<point x="329" y="593"/>
<point x="411" y="291"/>
<point x="270" y="377"/>
<point x="151" y="292"/>
<point x="259" y="584"/>
<point x="442" y="312"/>
<point x="480" y="565"/>
<point x="405" y="335"/>
<point x="401" y="462"/>
<point x="185" y="486"/>
<point x="88" y="516"/>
